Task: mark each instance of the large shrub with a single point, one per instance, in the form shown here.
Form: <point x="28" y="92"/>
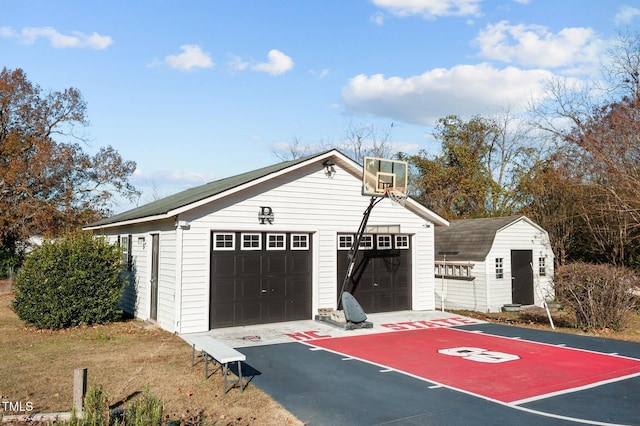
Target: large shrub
<point x="601" y="296"/>
<point x="74" y="280"/>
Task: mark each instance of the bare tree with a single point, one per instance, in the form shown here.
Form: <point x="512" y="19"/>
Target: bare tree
<point x="294" y="150"/>
<point x="359" y="141"/>
<point x="622" y="71"/>
<point x="599" y="137"/>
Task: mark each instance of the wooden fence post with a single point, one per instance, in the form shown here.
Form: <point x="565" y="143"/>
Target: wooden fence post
<point x="79" y="388"/>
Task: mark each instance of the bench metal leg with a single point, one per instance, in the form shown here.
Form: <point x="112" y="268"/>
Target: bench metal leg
<point x="239" y="380"/>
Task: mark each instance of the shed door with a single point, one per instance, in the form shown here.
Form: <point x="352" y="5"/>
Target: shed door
<point x="259" y="277"/>
<point x="382" y="272"/>
<point x="522" y="277"/>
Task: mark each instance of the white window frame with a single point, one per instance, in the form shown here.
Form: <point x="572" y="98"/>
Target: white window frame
<point x="302" y="242"/>
<point x="345" y="241"/>
<point x="454" y="270"/>
<point x="224" y="247"/>
<point x="281" y="243"/>
<point x="384" y="241"/>
<point x="402" y="241"/>
<point x="251" y="240"/>
<point x="542" y="266"/>
<point x="499" y="267"/>
<point x="366" y="243"/>
<point x="126" y="245"/>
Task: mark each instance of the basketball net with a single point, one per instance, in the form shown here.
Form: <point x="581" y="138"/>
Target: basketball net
<point x="396" y="195"/>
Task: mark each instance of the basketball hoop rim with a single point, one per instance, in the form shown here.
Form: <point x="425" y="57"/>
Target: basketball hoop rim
<point x="396" y="194"/>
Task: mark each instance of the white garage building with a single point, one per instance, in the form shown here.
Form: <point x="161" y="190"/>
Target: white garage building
<point x="271" y="245"/>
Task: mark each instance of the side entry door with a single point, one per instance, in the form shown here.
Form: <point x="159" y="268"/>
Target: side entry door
<point x="155" y="260"/>
<point x="522" y="277"/>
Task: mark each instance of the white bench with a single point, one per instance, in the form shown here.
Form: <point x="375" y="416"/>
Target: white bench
<point x="220" y="354"/>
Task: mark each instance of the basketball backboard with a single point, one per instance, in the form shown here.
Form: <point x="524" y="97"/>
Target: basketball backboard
<point x="379" y="174"/>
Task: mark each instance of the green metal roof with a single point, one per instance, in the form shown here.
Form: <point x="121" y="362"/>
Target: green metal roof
<point x="190" y="196"/>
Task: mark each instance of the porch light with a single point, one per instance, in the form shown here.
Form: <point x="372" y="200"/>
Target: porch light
<point x="329" y="169"/>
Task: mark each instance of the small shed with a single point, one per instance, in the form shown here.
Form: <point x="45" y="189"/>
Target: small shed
<point x="269" y="245"/>
<point x="484" y="264"/>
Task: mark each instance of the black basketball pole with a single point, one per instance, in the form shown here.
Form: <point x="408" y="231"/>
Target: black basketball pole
<point x="353" y="251"/>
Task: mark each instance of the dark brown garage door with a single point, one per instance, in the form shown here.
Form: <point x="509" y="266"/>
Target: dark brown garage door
<point x="382" y="272"/>
<point x="259" y="277"/>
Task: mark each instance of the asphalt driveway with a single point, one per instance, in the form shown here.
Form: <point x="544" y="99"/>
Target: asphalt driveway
<point x="392" y="375"/>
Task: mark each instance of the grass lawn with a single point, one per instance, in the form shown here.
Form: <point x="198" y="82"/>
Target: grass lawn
<point x="563" y="321"/>
<point x="125" y="357"/>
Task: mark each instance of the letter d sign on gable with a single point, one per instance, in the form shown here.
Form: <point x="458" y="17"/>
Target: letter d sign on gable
<point x="265" y="216"/>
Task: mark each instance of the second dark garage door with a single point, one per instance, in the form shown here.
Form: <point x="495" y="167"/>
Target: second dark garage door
<point x="382" y="277"/>
<point x="259" y="277"/>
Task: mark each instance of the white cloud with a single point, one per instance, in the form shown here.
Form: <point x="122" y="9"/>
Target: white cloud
<point x="430" y="9"/>
<point x="536" y="46"/>
<point x="321" y="74"/>
<point x="378" y="18"/>
<point x="161" y="183"/>
<point x="192" y="56"/>
<point x="8" y="32"/>
<point x="464" y="90"/>
<point x="236" y="63"/>
<point x="278" y="63"/>
<point x="58" y="40"/>
<point x="626" y="15"/>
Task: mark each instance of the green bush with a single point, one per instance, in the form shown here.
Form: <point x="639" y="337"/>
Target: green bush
<point x="74" y="280"/>
<point x="146" y="411"/>
<point x="601" y="296"/>
<point x="96" y="407"/>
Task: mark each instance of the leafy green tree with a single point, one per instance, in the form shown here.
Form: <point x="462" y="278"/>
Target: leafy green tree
<point x="457" y="183"/>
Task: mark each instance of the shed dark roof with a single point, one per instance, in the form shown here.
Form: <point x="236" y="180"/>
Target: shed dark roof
<point x="470" y="238"/>
<point x="193" y="195"/>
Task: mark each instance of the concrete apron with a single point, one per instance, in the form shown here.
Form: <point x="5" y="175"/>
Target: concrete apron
<point x="292" y="331"/>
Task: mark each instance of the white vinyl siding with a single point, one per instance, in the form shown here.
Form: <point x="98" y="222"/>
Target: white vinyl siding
<point x="166" y="278"/>
<point x="304" y="201"/>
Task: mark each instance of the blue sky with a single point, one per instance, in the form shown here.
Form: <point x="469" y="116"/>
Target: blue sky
<point x="194" y="91"/>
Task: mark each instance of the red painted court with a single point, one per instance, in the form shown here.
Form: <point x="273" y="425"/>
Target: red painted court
<point x="499" y="368"/>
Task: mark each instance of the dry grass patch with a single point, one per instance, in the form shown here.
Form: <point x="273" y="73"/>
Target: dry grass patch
<point x="563" y="320"/>
<point x="124" y="358"/>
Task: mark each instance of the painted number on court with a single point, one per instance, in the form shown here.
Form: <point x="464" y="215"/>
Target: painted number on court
<point x="479" y="355"/>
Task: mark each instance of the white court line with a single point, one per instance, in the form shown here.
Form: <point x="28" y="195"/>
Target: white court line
<point x="513" y="405"/>
<point x="574" y="389"/>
